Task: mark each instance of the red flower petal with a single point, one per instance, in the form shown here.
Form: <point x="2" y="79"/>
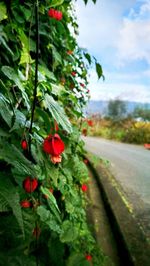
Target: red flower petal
<point x="30" y="184"/>
<point x="84" y="187"/>
<point x="24" y="144"/>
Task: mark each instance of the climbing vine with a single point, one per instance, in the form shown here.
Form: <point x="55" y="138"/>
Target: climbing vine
<point x="43" y="178"/>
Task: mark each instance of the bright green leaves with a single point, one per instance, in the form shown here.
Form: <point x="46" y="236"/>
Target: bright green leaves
<point x="10" y="73"/>
<point x="77" y="259"/>
<point x="54" y="3"/>
<point x="99" y="70"/>
<point x="88" y="57"/>
<point x="4" y="109"/>
<point x="57" y="112"/>
<point x="69" y="232"/>
<point x="3" y="11"/>
<point x="48" y="219"/>
<point x="10" y="195"/>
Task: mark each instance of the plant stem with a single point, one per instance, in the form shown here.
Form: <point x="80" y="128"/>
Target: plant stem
<point x="36" y="71"/>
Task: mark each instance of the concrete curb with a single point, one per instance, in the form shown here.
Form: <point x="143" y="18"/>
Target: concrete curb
<point x="133" y="246"/>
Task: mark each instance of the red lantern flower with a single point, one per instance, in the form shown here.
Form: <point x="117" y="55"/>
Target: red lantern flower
<point x="82" y="85"/>
<point x="53" y="145"/>
<point x="85" y="161"/>
<point x="53" y="13"/>
<point x="88" y="257"/>
<point x="25" y="204"/>
<point x="90" y="123"/>
<point x="30" y="184"/>
<point x="84" y="132"/>
<point x="24" y="144"/>
<point x="58" y="15"/>
<point x="73" y="73"/>
<point x="84" y="187"/>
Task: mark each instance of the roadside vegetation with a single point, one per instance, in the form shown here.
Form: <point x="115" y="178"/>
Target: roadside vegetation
<point x="119" y="125"/>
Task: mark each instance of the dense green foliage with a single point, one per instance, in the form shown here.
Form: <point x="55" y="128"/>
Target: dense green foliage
<point x="53" y="229"/>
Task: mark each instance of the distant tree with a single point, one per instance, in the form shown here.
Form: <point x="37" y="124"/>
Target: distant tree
<point x="116" y="109"/>
<point x="143" y="113"/>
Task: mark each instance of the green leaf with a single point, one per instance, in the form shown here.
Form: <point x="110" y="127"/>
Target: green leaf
<point x="45" y="191"/>
<point x="11" y="196"/>
<point x="4" y="109"/>
<point x="57" y="113"/>
<point x="77" y="259"/>
<point x="45" y="71"/>
<point x="69" y="232"/>
<point x="19" y="120"/>
<point x="99" y="70"/>
<point x="88" y="57"/>
<point x="14" y="157"/>
<point x="45" y="118"/>
<point x="54" y="3"/>
<point x="12" y="75"/>
<point x="3" y="11"/>
<point x="49" y="219"/>
<point x="3" y="42"/>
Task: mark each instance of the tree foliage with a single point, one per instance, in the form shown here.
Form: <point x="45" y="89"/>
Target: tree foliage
<point x="116" y="109"/>
<point x="41" y="69"/>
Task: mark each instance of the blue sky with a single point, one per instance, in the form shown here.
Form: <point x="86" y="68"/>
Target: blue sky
<point x="117" y="33"/>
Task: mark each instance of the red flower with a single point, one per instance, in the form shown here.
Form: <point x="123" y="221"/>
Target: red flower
<point x="82" y="85"/>
<point x="84" y="187"/>
<point x="85" y="161"/>
<point x="73" y="73"/>
<point x="25" y="204"/>
<point x="53" y="13"/>
<point x="84" y="131"/>
<point x="24" y="144"/>
<point x="58" y="15"/>
<point x="30" y="184"/>
<point x="56" y="159"/>
<point x="90" y="123"/>
<point x="88" y="257"/>
<point x="53" y="145"/>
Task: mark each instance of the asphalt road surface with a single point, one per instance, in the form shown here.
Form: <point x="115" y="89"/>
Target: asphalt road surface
<point x="130" y="165"/>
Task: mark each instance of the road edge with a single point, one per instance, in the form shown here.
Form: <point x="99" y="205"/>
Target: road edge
<point x="133" y="246"/>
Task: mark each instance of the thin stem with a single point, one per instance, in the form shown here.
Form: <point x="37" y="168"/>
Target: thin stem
<point x="36" y="71"/>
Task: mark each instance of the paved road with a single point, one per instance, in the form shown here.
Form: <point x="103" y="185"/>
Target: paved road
<point x="130" y="164"/>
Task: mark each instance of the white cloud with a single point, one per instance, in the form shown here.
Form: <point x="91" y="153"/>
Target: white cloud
<point x="119" y="86"/>
<point x="134" y="41"/>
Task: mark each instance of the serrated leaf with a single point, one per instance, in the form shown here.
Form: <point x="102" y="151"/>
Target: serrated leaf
<point x="5" y="45"/>
<point x="11" y="196"/>
<point x="45" y="191"/>
<point x="45" y="118"/>
<point x="69" y="232"/>
<point x="4" y="109"/>
<point x="47" y="218"/>
<point x="45" y="71"/>
<point x="19" y="120"/>
<point x="14" y="157"/>
<point x="57" y="113"/>
<point x="12" y="75"/>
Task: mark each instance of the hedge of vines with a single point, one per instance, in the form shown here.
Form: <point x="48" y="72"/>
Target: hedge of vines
<point x="43" y="177"/>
